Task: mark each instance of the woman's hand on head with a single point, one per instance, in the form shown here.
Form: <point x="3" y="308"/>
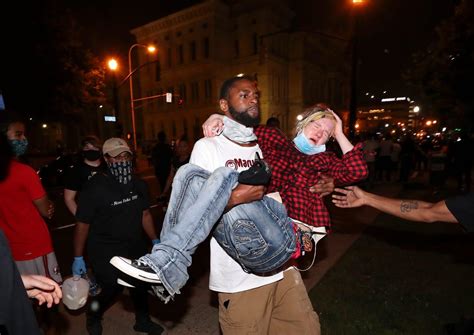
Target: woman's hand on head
<point x="213" y="126"/>
<point x="338" y="129"/>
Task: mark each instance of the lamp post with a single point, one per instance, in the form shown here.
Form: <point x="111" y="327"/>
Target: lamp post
<point x="113" y="65"/>
<point x="150" y="49"/>
<point x="354" y="68"/>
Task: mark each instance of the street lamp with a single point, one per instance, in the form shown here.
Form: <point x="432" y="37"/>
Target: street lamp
<point x="113" y="65"/>
<point x="150" y="49"/>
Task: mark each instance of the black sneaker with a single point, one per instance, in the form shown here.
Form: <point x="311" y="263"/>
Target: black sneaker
<point x="148" y="327"/>
<point x="135" y="268"/>
<point x="258" y="174"/>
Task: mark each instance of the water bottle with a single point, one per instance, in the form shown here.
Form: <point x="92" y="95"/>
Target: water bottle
<point x="94" y="288"/>
<point x="75" y="292"/>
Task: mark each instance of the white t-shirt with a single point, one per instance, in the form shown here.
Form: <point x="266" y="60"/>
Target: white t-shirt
<point x="226" y="274"/>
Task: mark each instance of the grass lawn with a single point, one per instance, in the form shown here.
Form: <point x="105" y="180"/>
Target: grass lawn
<point x="400" y="277"/>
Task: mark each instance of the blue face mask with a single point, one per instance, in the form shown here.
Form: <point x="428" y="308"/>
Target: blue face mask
<point x="303" y="145"/>
<point x="19" y="146"/>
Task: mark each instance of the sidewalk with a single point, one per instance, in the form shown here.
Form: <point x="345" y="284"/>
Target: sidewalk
<point x="195" y="310"/>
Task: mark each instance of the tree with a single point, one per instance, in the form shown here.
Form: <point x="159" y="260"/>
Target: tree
<point x="444" y="73"/>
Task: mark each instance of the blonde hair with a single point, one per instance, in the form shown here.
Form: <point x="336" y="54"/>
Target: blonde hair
<point x="314" y="113"/>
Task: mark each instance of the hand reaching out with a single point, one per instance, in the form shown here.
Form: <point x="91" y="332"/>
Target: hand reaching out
<point x="352" y="196"/>
<point x="43" y="289"/>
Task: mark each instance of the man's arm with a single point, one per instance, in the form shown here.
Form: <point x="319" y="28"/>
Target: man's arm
<point x="414" y="210"/>
<point x="70" y="200"/>
<point x="243" y="194"/>
<point x="45" y="207"/>
<point x="324" y="186"/>
<point x="81" y="231"/>
<point x="148" y="225"/>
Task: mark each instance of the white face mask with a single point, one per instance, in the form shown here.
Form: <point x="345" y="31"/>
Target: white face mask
<point x="305" y="146"/>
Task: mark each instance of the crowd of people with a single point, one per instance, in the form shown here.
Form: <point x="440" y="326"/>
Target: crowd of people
<point x="255" y="191"/>
<point x="392" y="159"/>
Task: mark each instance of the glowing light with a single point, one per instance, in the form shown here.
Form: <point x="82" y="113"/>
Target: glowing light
<point x="240" y="75"/>
<point x="299" y="117"/>
<point x="113" y="64"/>
<point x="386" y="125"/>
<point x="428" y="123"/>
<point x="416" y="109"/>
<point x="44" y="125"/>
<point x="151" y="48"/>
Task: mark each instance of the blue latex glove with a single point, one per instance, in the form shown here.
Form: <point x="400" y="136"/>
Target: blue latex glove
<point x="78" y="266"/>
<point x="155" y="241"/>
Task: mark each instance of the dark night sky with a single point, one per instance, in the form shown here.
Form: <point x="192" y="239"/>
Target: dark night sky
<point x="390" y="30"/>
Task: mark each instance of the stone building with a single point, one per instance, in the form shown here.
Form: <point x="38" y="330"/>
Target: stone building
<point x="203" y="45"/>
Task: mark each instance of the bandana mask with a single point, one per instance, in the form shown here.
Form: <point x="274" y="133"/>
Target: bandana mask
<point x="303" y="145"/>
<point x="122" y="171"/>
<point x="19" y="146"/>
<point x="238" y="132"/>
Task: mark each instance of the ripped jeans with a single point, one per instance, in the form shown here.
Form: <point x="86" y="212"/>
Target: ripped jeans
<point x="258" y="235"/>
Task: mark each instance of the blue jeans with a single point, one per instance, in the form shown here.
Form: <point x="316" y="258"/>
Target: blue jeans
<point x="258" y="235"/>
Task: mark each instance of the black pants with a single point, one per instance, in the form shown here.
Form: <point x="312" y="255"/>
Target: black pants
<point x="106" y="276"/>
<point x="100" y="303"/>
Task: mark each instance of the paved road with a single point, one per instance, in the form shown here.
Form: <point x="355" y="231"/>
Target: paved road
<point x="195" y="310"/>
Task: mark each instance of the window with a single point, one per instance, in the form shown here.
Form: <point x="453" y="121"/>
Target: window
<point x="182" y="91"/>
<point x="180" y="54"/>
<point x="207" y="89"/>
<point x="236" y="48"/>
<point x="195" y="91"/>
<point x="161" y="100"/>
<point x="169" y="56"/>
<point x="192" y="50"/>
<point x="206" y="47"/>
<point x="158" y="70"/>
<point x="255" y="43"/>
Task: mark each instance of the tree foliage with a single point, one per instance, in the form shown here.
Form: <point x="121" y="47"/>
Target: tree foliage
<point x="444" y="72"/>
<point x="46" y="72"/>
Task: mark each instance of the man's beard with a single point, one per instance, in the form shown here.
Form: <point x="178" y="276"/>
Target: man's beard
<point x="244" y="118"/>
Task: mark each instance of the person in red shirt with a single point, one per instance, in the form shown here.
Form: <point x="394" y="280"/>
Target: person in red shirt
<point x="23" y="204"/>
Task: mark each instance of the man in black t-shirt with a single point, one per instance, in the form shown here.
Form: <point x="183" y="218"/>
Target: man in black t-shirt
<point x="459" y="209"/>
<point x="79" y="174"/>
<point x="113" y="217"/>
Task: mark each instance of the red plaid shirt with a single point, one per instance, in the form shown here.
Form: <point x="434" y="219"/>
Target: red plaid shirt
<point x="293" y="173"/>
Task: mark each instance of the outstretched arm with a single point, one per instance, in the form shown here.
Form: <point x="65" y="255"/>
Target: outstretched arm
<point x="414" y="210"/>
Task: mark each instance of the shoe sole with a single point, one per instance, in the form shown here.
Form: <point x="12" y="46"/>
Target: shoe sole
<point x="124" y="283"/>
<point x="123" y="265"/>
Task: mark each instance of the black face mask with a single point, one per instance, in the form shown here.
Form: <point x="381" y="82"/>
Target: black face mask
<point x="92" y="155"/>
